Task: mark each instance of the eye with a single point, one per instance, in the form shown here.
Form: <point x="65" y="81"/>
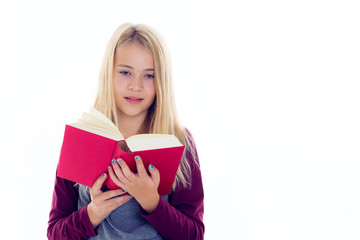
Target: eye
<point x="150" y="76"/>
<point x="125" y="73"/>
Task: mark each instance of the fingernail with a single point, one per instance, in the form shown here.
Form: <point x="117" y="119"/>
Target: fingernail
<point x="137" y="158"/>
<point x="130" y="196"/>
<point x="104" y="175"/>
<point x="119" y="160"/>
<point x="113" y="161"/>
<point x="123" y="191"/>
<point x="151" y="166"/>
<point x="109" y="168"/>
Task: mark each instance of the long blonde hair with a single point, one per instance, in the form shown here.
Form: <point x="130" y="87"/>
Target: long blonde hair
<point x="162" y="116"/>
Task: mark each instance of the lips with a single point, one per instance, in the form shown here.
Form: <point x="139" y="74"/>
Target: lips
<point x="133" y="99"/>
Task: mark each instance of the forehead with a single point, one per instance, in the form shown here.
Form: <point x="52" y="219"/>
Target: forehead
<point x="134" y="55"/>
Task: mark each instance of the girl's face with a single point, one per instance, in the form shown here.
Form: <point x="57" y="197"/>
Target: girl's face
<point x="133" y="77"/>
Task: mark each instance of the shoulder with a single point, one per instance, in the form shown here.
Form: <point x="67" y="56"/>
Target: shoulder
<point x="190" y="142"/>
<point x="191" y="151"/>
<point x="65" y="188"/>
<point x="188" y="134"/>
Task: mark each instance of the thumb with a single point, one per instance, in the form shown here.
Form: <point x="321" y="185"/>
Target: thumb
<point x="99" y="183"/>
<point x="155" y="175"/>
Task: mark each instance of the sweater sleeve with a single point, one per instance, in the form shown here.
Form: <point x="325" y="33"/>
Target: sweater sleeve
<point x="182" y="216"/>
<point x="65" y="221"/>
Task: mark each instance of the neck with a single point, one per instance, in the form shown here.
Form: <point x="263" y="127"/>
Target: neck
<point x="129" y="126"/>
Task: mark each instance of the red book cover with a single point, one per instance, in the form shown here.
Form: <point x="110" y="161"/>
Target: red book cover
<point x="85" y="156"/>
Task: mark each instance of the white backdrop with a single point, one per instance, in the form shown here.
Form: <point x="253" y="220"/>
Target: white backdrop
<point x="269" y="89"/>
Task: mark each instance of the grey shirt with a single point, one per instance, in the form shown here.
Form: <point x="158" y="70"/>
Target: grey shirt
<point x="125" y="222"/>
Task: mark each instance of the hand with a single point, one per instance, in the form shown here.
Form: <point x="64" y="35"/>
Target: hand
<point x="103" y="203"/>
<point x="140" y="185"/>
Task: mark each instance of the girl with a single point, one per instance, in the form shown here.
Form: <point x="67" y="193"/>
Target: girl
<point x="135" y="92"/>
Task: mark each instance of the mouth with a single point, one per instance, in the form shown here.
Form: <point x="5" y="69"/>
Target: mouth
<point x="133" y="100"/>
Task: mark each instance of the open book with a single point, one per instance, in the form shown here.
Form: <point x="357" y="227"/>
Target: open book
<point x="93" y="141"/>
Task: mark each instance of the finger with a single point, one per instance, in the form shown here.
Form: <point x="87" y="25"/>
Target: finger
<point x="118" y="170"/>
<point x="96" y="188"/>
<point x="117" y="202"/>
<point x="113" y="194"/>
<point x="103" y="196"/>
<point x="140" y="166"/>
<point x="155" y="174"/>
<point x="115" y="176"/>
<point x="129" y="175"/>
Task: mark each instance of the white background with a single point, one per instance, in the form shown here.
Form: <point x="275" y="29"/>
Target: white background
<point x="269" y="89"/>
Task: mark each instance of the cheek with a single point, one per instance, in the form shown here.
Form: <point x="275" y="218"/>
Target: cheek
<point x="116" y="90"/>
<point x="151" y="89"/>
<point x="119" y="85"/>
<point x="117" y="96"/>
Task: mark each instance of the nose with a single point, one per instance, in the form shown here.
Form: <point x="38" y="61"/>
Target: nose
<point x="135" y="83"/>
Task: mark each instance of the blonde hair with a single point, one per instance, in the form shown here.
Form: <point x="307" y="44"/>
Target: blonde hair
<point x="162" y="117"/>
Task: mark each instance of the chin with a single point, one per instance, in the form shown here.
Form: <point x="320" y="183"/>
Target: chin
<point x="133" y="114"/>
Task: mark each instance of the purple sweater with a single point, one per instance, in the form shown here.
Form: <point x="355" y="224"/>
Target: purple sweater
<point x="180" y="218"/>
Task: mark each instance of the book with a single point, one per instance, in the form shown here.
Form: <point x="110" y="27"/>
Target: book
<point x="93" y="141"/>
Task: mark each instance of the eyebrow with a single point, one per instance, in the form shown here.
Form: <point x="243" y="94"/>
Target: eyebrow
<point x="127" y="66"/>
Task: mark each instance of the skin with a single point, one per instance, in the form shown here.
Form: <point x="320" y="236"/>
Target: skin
<point x="134" y="90"/>
<point x="133" y="76"/>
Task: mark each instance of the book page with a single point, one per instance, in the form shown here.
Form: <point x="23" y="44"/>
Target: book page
<point x="142" y="142"/>
<point x="97" y="123"/>
<point x="101" y="116"/>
